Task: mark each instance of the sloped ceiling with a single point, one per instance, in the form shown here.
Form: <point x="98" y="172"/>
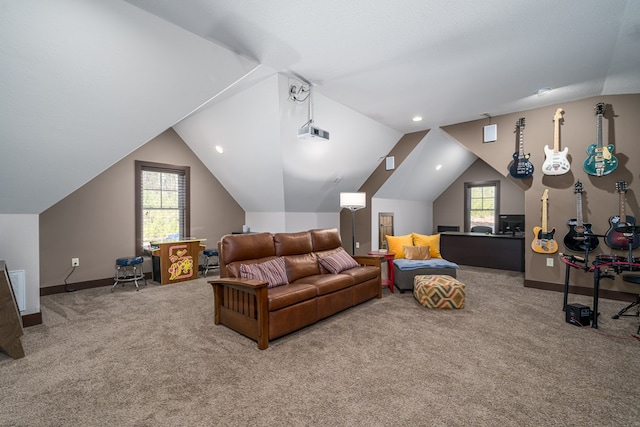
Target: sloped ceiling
<point x="84" y="83"/>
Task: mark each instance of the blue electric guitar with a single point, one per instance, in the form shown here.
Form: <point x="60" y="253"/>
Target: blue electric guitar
<point x="521" y="167"/>
<point x="601" y="161"/>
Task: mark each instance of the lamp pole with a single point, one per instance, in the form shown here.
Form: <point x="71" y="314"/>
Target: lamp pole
<point x="353" y="231"/>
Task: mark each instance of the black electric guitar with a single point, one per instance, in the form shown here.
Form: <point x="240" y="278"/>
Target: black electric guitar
<point x="617" y="237"/>
<point x="601" y="161"/>
<point x="521" y="167"/>
<point x="578" y="239"/>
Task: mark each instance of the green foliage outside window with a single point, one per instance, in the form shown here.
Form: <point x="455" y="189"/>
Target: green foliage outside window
<point x="160" y="205"/>
<point x="482" y="203"/>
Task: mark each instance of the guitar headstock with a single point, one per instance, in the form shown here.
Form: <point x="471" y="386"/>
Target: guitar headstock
<point x="520" y="123"/>
<point x="599" y="109"/>
<point x="621" y="186"/>
<point x="545" y="195"/>
<point x="558" y="115"/>
<point x="578" y="187"/>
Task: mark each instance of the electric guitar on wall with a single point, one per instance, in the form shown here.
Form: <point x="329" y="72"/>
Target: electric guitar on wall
<point x="600" y="161"/>
<point x="521" y="167"/>
<point x="578" y="239"/>
<point x="555" y="162"/>
<point x="543" y="242"/>
<point x="617" y="237"/>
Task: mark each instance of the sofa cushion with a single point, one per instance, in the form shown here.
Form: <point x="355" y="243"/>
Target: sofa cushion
<point x="242" y="247"/>
<point x="301" y="266"/>
<point x="273" y="271"/>
<point x="327" y="283"/>
<point x="338" y="261"/>
<point x="325" y="239"/>
<point x="396" y="243"/>
<point x="292" y="243"/>
<point x="287" y="295"/>
<point x="433" y="241"/>
<point x="362" y="273"/>
<point x="416" y="252"/>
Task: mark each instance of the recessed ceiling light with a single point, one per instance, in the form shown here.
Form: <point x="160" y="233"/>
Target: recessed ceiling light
<point x="438" y="167"/>
<point x="219" y="149"/>
<point x="543" y="90"/>
<point x="417" y="119"/>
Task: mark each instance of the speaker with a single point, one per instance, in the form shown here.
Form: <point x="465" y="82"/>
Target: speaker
<point x="490" y="133"/>
<point x="578" y="314"/>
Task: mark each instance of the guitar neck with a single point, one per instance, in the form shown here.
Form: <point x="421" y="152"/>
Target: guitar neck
<point x="579" y="205"/>
<point x="623" y="215"/>
<point x="599" y="131"/>
<point x="521" y="144"/>
<point x="544" y="216"/>
<point x="556" y="136"/>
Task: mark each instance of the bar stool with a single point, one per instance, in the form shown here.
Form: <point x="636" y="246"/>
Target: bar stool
<point x="211" y="261"/>
<point x="127" y="271"/>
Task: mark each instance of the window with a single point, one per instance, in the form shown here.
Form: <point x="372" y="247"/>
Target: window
<point x="162" y="203"/>
<point x="481" y="204"/>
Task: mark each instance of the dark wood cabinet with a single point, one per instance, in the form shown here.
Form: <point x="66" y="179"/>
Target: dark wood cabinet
<point x="504" y="252"/>
<point x="10" y="320"/>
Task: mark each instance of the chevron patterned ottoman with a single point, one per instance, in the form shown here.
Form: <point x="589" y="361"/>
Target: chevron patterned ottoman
<point x="439" y="291"/>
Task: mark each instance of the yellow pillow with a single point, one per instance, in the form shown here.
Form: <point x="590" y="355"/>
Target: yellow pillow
<point x="395" y="244"/>
<point x="416" y="252"/>
<point x="432" y="241"/>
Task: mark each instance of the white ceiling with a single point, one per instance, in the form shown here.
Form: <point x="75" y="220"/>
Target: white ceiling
<point x="86" y="82"/>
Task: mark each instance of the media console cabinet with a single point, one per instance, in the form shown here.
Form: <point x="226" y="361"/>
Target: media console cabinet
<point x="504" y="252"/>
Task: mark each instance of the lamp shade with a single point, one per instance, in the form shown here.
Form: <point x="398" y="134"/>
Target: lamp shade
<point x="353" y="201"/>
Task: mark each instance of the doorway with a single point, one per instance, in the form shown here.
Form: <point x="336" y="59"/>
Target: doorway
<point x="385" y="228"/>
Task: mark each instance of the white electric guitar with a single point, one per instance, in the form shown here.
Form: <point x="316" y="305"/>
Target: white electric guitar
<point x="555" y="162"/>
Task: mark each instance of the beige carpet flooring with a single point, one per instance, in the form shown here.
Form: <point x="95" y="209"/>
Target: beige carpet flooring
<point x="155" y="358"/>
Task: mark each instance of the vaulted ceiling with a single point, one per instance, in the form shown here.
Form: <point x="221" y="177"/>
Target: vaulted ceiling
<point x="86" y="82"/>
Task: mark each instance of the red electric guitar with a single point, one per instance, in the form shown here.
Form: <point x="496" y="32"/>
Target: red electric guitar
<point x="622" y="227"/>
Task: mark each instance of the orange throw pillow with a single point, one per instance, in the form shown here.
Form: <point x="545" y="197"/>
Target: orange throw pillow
<point x="433" y="241"/>
<point x="396" y="243"/>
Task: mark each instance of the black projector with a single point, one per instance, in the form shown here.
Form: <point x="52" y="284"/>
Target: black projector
<point x="578" y="314"/>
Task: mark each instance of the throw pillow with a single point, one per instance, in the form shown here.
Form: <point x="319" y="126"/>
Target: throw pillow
<point x="396" y="243"/>
<point x="416" y="252"/>
<point x="338" y="261"/>
<point x="433" y="241"/>
<point x="273" y="271"/>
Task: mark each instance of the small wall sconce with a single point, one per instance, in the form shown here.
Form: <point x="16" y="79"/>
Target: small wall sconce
<point x="490" y="133"/>
<point x="390" y="163"/>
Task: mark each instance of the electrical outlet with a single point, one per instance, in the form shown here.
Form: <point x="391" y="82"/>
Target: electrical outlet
<point x="357" y="245"/>
<point x="75" y="262"/>
<point x="549" y="262"/>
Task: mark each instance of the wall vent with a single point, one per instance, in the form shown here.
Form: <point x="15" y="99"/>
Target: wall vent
<point x="18" y="284"/>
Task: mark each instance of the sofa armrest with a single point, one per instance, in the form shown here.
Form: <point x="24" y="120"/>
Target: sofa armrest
<point x="368" y="260"/>
<point x="242" y="305"/>
<point x="373" y="261"/>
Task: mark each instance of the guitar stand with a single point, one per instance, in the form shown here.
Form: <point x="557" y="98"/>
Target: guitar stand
<point x="630" y="278"/>
<point x="571" y="261"/>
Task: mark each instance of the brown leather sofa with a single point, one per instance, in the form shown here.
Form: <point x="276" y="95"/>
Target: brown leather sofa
<point x="263" y="313"/>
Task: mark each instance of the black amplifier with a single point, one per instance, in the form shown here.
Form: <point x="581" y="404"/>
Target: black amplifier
<point x="578" y="314"/>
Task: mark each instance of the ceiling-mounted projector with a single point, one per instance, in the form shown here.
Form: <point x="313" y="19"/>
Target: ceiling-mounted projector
<point x="310" y="131"/>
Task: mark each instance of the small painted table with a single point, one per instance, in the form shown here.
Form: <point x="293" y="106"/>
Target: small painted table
<point x="390" y="280"/>
<point x="176" y="260"/>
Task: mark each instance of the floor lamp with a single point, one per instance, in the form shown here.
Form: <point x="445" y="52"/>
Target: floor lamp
<point x="353" y="202"/>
